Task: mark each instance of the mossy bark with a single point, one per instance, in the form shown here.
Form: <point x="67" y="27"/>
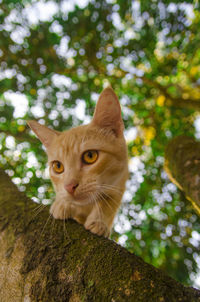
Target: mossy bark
<point x="46" y="260"/>
<point x="182" y="164"/>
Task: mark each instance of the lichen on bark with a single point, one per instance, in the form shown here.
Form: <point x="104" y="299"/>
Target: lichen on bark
<point x="61" y="261"/>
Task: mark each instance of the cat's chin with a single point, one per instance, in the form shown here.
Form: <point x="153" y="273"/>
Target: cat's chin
<point x="81" y="203"/>
<point x="80" y="200"/>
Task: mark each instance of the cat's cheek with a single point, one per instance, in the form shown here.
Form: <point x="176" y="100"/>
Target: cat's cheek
<point x="57" y="184"/>
<point x="98" y="227"/>
<point x="55" y="180"/>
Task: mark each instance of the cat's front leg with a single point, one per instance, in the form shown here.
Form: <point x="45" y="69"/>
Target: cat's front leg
<point x="98" y="223"/>
<point x="97" y="227"/>
<point x="60" y="210"/>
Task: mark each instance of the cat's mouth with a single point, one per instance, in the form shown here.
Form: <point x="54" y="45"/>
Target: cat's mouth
<point x="90" y="197"/>
<point x="83" y="198"/>
<point x="78" y="198"/>
<point x="86" y="197"/>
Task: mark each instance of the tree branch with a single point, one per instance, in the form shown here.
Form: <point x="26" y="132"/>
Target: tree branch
<point x="182" y="164"/>
<point x="42" y="259"/>
<point x="176" y="102"/>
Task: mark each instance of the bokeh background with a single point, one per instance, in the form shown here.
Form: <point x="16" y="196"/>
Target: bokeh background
<point x="55" y="59"/>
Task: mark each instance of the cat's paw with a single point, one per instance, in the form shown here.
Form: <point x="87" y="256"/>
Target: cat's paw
<point x="59" y="210"/>
<point x="98" y="227"/>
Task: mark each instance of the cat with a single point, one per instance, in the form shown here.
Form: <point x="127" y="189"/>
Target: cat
<point x="88" y="166"/>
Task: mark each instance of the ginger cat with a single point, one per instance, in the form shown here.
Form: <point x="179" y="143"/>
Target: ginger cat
<point x="88" y="166"/>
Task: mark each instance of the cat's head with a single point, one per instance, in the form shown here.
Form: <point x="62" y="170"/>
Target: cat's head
<point x="89" y="161"/>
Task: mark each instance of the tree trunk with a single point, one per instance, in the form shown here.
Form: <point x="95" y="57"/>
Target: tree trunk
<point x="46" y="260"/>
<point x="182" y="164"/>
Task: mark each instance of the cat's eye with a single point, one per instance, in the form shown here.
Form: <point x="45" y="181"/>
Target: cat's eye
<point x="90" y="156"/>
<point x="57" y="167"/>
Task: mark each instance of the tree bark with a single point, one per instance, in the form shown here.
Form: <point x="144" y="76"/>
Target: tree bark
<point x="46" y="260"/>
<point x="182" y="164"/>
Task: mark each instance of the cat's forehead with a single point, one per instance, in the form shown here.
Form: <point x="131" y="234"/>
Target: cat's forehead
<point x="76" y="136"/>
<point x="77" y="140"/>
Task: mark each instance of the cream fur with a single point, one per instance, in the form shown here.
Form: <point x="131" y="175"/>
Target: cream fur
<point x="101" y="184"/>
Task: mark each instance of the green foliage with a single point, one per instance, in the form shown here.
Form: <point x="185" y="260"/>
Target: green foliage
<point x="149" y="52"/>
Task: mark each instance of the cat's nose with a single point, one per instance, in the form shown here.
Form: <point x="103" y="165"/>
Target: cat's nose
<point x="71" y="187"/>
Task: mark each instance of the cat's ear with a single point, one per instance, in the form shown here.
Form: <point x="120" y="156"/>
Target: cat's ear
<point x="108" y="112"/>
<point x="45" y="134"/>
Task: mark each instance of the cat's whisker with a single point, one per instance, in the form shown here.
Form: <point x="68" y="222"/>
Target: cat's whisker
<point x="95" y="201"/>
<point x="99" y="195"/>
<point x="92" y="198"/>
<point x="109" y="188"/>
<point x="99" y="210"/>
<point x="103" y="192"/>
<point x="45" y="224"/>
<point x="64" y="222"/>
<point x="106" y="201"/>
<point x="115" y="202"/>
<point x="36" y="208"/>
<point x="111" y="198"/>
<point x="94" y="185"/>
<point x="52" y="225"/>
<point x="40" y="209"/>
